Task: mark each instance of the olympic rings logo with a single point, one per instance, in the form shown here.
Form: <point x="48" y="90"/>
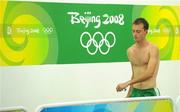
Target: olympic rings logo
<point x="48" y="30"/>
<point x="98" y="45"/>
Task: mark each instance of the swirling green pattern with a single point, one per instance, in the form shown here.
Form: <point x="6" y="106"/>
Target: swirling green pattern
<point x="166" y="19"/>
<point x="27" y="49"/>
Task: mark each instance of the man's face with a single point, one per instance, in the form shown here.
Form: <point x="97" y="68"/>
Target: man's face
<point x="139" y="33"/>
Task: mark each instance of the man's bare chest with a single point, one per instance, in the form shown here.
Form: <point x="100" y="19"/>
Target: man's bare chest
<point x="140" y="57"/>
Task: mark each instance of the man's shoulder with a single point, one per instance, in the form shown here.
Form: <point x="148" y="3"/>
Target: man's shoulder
<point x="153" y="47"/>
<point x="130" y="49"/>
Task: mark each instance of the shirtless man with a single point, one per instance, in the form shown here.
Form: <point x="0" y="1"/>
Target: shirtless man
<point x="144" y="58"/>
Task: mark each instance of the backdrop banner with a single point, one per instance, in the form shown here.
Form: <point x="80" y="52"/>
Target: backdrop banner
<point x="36" y="33"/>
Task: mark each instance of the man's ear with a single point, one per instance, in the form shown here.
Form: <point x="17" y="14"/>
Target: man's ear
<point x="146" y="31"/>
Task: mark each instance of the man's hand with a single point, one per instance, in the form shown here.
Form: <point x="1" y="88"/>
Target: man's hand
<point x="122" y="86"/>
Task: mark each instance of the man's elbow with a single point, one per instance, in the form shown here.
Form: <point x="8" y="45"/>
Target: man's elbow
<point x="150" y="75"/>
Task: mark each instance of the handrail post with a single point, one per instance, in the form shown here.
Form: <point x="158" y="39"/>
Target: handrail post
<point x="177" y="105"/>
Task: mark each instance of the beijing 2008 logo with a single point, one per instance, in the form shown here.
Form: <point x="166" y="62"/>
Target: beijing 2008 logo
<point x="87" y="40"/>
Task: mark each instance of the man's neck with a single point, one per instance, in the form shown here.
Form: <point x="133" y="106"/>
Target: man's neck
<point x="142" y="43"/>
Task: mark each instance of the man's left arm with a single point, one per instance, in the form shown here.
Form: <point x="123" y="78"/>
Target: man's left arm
<point x="151" y="67"/>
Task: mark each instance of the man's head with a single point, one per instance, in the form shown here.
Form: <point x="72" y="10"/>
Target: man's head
<point x="140" y="29"/>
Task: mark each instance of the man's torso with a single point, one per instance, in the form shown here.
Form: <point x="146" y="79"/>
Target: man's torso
<point x="139" y="57"/>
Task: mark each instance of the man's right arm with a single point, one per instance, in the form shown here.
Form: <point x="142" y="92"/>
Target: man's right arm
<point x="124" y="85"/>
<point x="130" y="88"/>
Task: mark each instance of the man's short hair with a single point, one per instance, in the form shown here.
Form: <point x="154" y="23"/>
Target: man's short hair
<point x="143" y="21"/>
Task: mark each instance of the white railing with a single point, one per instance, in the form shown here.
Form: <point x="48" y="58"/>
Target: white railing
<point x="13" y="109"/>
<point x="138" y="99"/>
<point x="94" y="102"/>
